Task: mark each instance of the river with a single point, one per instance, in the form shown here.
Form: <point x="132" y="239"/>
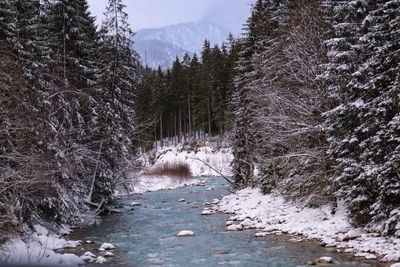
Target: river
<point x="146" y="236"/>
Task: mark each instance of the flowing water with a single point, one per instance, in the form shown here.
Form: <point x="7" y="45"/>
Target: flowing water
<point x="146" y="236"/>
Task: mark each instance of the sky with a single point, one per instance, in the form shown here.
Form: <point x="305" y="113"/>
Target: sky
<point x="158" y="13"/>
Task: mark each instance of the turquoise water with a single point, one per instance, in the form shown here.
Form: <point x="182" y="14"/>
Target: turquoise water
<point x="146" y="236"/>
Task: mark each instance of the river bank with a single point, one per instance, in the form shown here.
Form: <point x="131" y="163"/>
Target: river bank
<point x="271" y="214"/>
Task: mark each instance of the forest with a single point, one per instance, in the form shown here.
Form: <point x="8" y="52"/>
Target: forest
<point x="308" y="97"/>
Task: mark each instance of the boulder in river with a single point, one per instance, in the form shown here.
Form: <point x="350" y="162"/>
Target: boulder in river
<point x="206" y="212"/>
<point x="88" y="257"/>
<point x="101" y="260"/>
<point x="321" y="261"/>
<point x="135" y="204"/>
<point x="108" y="254"/>
<point x="185" y="233"/>
<point x="235" y="227"/>
<point x="106" y="246"/>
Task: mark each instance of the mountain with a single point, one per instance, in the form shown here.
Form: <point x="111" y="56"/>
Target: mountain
<point x="160" y="46"/>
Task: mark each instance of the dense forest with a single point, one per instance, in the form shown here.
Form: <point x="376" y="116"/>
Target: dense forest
<point x="190" y="101"/>
<point x="66" y="105"/>
<point x="317" y="105"/>
<point x="309" y="98"/>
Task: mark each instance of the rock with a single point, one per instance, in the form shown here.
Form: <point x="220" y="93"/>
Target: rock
<point x="325" y="260"/>
<point x="89" y="254"/>
<point x="206" y="212"/>
<point x="185" y="233"/>
<point x="368" y="256"/>
<point x="106" y="246"/>
<point x="72" y="244"/>
<point x="351" y="235"/>
<point x="101" y="260"/>
<point x="108" y="254"/>
<point x="235" y="227"/>
<point x="296" y="240"/>
<point x="135" y="204"/>
<point x="215" y="201"/>
<point x="181" y="200"/>
<point x="395" y="265"/>
<point x="260" y="234"/>
<point x="229" y="223"/>
<point x="371" y="257"/>
<point x="88" y="257"/>
<point x="89" y="242"/>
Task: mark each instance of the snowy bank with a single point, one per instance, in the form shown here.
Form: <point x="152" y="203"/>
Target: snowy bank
<point x="39" y="248"/>
<point x="204" y="161"/>
<point x="272" y="214"/>
<point x="142" y="184"/>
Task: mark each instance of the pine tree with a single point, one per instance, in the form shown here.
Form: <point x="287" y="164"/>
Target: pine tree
<point x="243" y="141"/>
<point x="364" y="73"/>
<point x="118" y="80"/>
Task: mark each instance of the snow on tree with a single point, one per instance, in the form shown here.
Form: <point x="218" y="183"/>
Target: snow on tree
<point x="364" y="136"/>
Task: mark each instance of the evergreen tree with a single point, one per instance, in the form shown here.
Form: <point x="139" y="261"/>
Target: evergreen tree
<point x="243" y="142"/>
<point x="119" y="65"/>
<point x="363" y="136"/>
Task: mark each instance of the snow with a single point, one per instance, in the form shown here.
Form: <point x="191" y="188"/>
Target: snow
<point x="135" y="204"/>
<point x="106" y="246"/>
<point x="38" y="248"/>
<point x="325" y="260"/>
<point x="206" y="212"/>
<point x="109" y="254"/>
<point x="185" y="233"/>
<point x="101" y="260"/>
<point x="145" y="184"/>
<point x="234" y="227"/>
<point x="271" y="214"/>
<point x="220" y="160"/>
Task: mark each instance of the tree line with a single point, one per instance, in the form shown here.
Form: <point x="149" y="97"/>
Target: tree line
<point x="317" y="108"/>
<point x="191" y="100"/>
<point x="66" y="109"/>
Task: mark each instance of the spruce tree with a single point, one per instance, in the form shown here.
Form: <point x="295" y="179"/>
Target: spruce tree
<point x="118" y="80"/>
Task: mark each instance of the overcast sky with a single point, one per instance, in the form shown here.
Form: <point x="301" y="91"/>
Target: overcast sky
<point x="156" y="13"/>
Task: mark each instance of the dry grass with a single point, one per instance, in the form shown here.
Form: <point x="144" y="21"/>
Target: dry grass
<point x="175" y="170"/>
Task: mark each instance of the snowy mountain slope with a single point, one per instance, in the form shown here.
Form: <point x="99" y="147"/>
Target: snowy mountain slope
<point x="161" y="46"/>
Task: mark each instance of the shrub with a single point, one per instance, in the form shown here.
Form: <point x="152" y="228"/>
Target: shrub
<point x="174" y="169"/>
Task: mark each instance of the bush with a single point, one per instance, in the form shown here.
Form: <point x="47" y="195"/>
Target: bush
<point x="175" y="170"/>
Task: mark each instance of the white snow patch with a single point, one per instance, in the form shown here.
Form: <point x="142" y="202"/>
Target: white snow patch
<point x="106" y="246"/>
<point x="207" y="212"/>
<point x="234" y="227"/>
<point x="101" y="260"/>
<point x="325" y="260"/>
<point x="272" y="214"/>
<point x="145" y="184"/>
<point x="38" y="248"/>
<point x="109" y="254"/>
<point x="220" y="160"/>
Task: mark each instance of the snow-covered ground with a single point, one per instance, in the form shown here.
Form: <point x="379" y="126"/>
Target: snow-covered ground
<point x="205" y="161"/>
<point x="142" y="184"/>
<point x="271" y="214"/>
<point x="39" y="248"/>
